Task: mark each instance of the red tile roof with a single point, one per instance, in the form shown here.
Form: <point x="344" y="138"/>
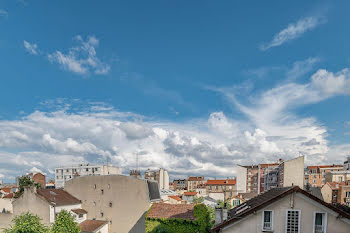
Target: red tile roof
<point x="221" y="182"/>
<point x="196" y="178"/>
<point x="10" y="195"/>
<point x="163" y="210"/>
<point x="176" y="198"/>
<point x="190" y="193"/>
<point x="335" y="185"/>
<point x="91" y="225"/>
<point x="6" y="190"/>
<point x="58" y="196"/>
<point x="262" y="165"/>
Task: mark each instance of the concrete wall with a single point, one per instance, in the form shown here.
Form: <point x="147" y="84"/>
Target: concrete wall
<point x="294" y="172"/>
<point x="217" y="196"/>
<point x="241" y="180"/>
<point x="327" y="193"/>
<point x="30" y="202"/>
<point x="5" y="221"/>
<point x="6" y="203"/>
<point x="308" y="207"/>
<point x="129" y="198"/>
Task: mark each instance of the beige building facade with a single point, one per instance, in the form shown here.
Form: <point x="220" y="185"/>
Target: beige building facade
<point x="121" y="200"/>
<point x="306" y="214"/>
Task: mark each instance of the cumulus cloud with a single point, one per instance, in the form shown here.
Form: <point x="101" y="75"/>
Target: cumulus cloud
<point x="31" y="48"/>
<point x="81" y="59"/>
<point x="293" y="31"/>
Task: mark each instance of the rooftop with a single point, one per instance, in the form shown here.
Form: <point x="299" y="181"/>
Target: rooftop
<point x="190" y="193"/>
<point x="79" y="211"/>
<point x="196" y="178"/>
<point x="221" y="182"/>
<point x="163" y="210"/>
<point x="58" y="197"/>
<point x="176" y="198"/>
<point x="91" y="225"/>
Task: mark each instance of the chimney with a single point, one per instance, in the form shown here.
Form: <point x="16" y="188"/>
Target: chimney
<point x="220" y="214"/>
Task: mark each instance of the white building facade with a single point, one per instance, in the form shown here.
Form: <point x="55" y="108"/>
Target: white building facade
<point x="63" y="174"/>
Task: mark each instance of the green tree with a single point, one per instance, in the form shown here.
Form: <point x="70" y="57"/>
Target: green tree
<point x="203" y="218"/>
<point x="25" y="181"/>
<point x="198" y="200"/>
<point x="65" y="223"/>
<point x="27" y="223"/>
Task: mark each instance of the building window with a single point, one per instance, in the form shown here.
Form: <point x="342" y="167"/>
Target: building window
<point x="101" y="214"/>
<point x="292" y="221"/>
<point x="347" y="194"/>
<point x="267" y="220"/>
<point x="81" y="215"/>
<point x="109" y="186"/>
<point x="110" y="204"/>
<point x="340" y="179"/>
<point x="94" y="203"/>
<point x="320" y="220"/>
<point x="87" y="169"/>
<point x="95" y="186"/>
<point x="102" y="191"/>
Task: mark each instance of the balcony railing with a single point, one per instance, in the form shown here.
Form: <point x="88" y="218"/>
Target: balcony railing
<point x="267" y="226"/>
<point x="319" y="229"/>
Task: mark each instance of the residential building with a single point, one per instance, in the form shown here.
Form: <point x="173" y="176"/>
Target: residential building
<point x="221" y="188"/>
<point x="262" y="177"/>
<point x="6" y="203"/>
<point x="194" y="181"/>
<point x="347" y="164"/>
<point x="337" y="176"/>
<point x="63" y="174"/>
<point x="175" y="200"/>
<point x="165" y="193"/>
<point x="189" y="196"/>
<point x="121" y="200"/>
<point x="38" y="178"/>
<point x="344" y="194"/>
<point x="208" y="201"/>
<point x="164" y="210"/>
<point x="161" y="176"/>
<point x="46" y="203"/>
<point x="201" y="190"/>
<point x="287" y="209"/>
<point x="94" y="226"/>
<point x="236" y="201"/>
<point x="330" y="192"/>
<point x="180" y="184"/>
<point x="316" y="175"/>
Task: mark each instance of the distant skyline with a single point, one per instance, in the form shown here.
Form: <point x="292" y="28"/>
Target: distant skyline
<point x="193" y="87"/>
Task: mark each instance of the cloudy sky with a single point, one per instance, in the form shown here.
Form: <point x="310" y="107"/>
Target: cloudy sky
<point x="194" y="87"/>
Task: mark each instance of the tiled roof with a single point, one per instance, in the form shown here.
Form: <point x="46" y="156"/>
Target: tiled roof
<point x="324" y="166"/>
<point x="163" y="210"/>
<point x="6" y="190"/>
<point x="266" y="198"/>
<point x="196" y="178"/>
<point x="190" y="193"/>
<point x="262" y="165"/>
<point x="58" y="197"/>
<point x="176" y="198"/>
<point x="90" y="226"/>
<point x="221" y="182"/>
<point x="79" y="211"/>
<point x="10" y="195"/>
<point x="335" y="185"/>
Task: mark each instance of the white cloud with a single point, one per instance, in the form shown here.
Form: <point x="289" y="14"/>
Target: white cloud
<point x="293" y="31"/>
<point x="81" y="59"/>
<point x="31" y="48"/>
<point x="3" y="13"/>
<point x="36" y="170"/>
<point x="301" y="68"/>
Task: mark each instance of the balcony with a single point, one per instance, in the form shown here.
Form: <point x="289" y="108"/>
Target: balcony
<point x="319" y="229"/>
<point x="267" y="226"/>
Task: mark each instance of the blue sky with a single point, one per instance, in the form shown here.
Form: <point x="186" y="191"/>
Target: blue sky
<point x="190" y="86"/>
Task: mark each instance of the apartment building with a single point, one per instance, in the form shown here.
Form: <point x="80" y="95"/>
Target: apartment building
<point x="344" y="194"/>
<point x="160" y="176"/>
<point x="337" y="176"/>
<point x="221" y="189"/>
<point x="121" y="200"/>
<point x="316" y="175"/>
<point x="63" y="174"/>
<point x="330" y="192"/>
<point x="288" y="209"/>
<point x="262" y="177"/>
<point x="347" y="164"/>
<point x="194" y="181"/>
<point x="180" y="184"/>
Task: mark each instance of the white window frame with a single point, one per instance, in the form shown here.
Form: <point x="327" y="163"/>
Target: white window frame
<point x="262" y="224"/>
<point x="325" y="220"/>
<point x="287" y="219"/>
